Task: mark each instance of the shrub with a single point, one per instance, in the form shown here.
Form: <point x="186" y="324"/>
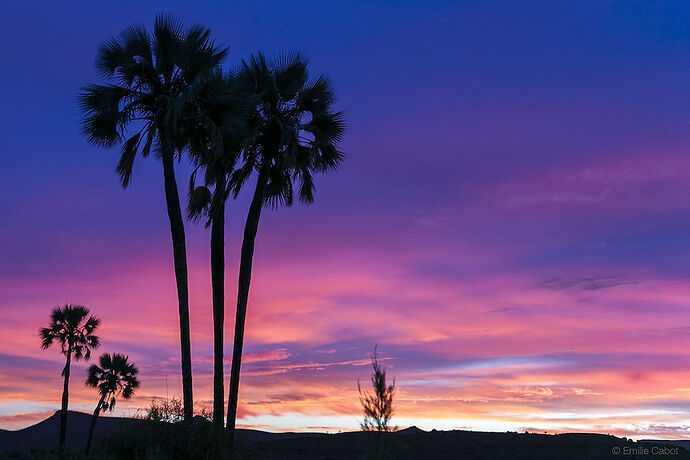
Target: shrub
<point x="378" y="406"/>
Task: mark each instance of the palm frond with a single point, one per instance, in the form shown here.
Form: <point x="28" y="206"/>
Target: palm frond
<point x="129" y="152"/>
<point x="327" y="128"/>
<point x="127" y="58"/>
<point x="317" y="96"/>
<point x="168" y="34"/>
<point x="290" y="74"/>
<point x="110" y="56"/>
<point x="278" y="190"/>
<point x="200" y="55"/>
<point x="306" y="189"/>
<point x="240" y="176"/>
<point x="198" y="203"/>
<point x="47" y="337"/>
<point x="150" y="136"/>
<point x="103" y="118"/>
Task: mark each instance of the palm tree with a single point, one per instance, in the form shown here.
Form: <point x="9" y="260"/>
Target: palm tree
<point x="154" y="92"/>
<point x="215" y="146"/>
<point x="115" y="376"/>
<point x="295" y="134"/>
<point x="70" y="327"/>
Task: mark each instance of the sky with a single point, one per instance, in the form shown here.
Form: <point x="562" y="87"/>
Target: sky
<point x="511" y="225"/>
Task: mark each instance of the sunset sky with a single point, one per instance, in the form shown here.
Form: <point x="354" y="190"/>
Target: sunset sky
<point x="511" y="224"/>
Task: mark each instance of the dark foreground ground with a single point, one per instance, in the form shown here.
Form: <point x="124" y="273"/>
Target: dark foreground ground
<point x="137" y="439"/>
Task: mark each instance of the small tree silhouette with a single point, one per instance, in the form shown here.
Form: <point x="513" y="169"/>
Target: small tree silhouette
<point x="378" y="406"/>
<point x="74" y="332"/>
<point x="115" y="376"/>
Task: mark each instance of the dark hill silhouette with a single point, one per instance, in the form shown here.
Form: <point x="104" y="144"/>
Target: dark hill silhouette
<point x="413" y="443"/>
<point x="409" y="431"/>
<point x="44" y="434"/>
<point x="680" y="443"/>
<point x="409" y="443"/>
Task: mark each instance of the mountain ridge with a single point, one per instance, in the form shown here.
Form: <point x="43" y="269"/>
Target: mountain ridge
<point x="411" y="442"/>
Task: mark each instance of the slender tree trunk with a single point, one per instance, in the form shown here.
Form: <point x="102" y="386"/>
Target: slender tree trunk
<point x="246" y="257"/>
<point x="65" y="400"/>
<point x="218" y="288"/>
<point x="172" y="200"/>
<point x="92" y="427"/>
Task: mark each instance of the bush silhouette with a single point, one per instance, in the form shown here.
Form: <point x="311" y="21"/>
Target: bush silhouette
<point x="378" y="406"/>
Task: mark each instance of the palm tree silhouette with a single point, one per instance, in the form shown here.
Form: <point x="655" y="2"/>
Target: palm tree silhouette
<point x="215" y="147"/>
<point x="115" y="376"/>
<point x="70" y="327"/>
<point x="154" y="91"/>
<point x="295" y="134"/>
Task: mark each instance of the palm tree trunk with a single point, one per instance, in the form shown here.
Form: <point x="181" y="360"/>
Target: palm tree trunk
<point x="96" y="412"/>
<point x="172" y="201"/>
<point x="246" y="258"/>
<point x="218" y="287"/>
<point x="65" y="400"/>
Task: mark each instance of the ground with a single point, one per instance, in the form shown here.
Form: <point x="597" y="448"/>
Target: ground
<point x="133" y="439"/>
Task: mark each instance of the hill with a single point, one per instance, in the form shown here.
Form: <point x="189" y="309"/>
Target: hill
<point x="45" y="434"/>
<point x="410" y="443"/>
<point x="414" y="443"/>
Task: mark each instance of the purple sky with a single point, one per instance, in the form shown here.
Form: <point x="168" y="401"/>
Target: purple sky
<point x="512" y="223"/>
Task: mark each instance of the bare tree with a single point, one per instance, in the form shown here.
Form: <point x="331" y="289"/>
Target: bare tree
<point x="378" y="406"/>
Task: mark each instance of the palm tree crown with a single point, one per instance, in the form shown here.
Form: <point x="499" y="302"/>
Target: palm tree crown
<point x="294" y="126"/>
<point x="215" y="143"/>
<point x="216" y="139"/>
<point x="70" y="327"/>
<point x="115" y="376"/>
<point x="155" y="80"/>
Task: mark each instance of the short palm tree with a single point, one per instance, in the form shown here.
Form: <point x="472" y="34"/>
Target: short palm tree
<point x="115" y="377"/>
<point x="295" y="133"/>
<point x="73" y="328"/>
<point x="152" y="97"/>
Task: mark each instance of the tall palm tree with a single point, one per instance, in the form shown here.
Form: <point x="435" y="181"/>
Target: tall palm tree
<point x="115" y="376"/>
<point x="295" y="134"/>
<point x="215" y="145"/>
<point x="152" y="96"/>
<point x="73" y="328"/>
